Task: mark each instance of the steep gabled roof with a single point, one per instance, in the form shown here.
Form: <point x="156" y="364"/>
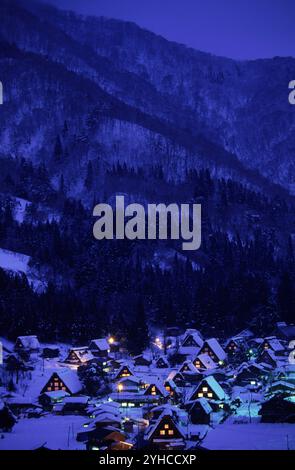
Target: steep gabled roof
<point x="124" y="366"/>
<point x="190" y="366"/>
<point x="203" y="403"/>
<point x="83" y="354"/>
<point x="206" y="360"/>
<point x="166" y="413"/>
<point x="101" y="344"/>
<point x="282" y="384"/>
<point x="275" y="344"/>
<point x="68" y="377"/>
<point x="196" y="336"/>
<point x="163" y="358"/>
<point x="172" y="375"/>
<point x="216" y="348"/>
<point x="29" y="342"/>
<point x="159" y="387"/>
<point x="215" y="387"/>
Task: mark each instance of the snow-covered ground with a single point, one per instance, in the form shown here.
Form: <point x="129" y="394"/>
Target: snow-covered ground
<point x="19" y="263"/>
<point x="20" y="208"/>
<point x="55" y="432"/>
<point x="254" y="436"/>
<point x="12" y="261"/>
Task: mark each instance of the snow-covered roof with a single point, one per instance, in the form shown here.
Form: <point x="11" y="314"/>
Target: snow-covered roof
<point x="262" y="367"/>
<point x="82" y="400"/>
<point x="107" y="417"/>
<point x="29" y="342"/>
<point x="203" y="403"/>
<point x="247" y="334"/>
<point x="192" y="331"/>
<point x="68" y="377"/>
<point x="195" y="335"/>
<point x="57" y="394"/>
<point x="118" y="372"/>
<point x="216" y="348"/>
<point x="206" y="360"/>
<point x="283" y="384"/>
<point x="275" y="344"/>
<point x="215" y="387"/>
<point x="162" y="358"/>
<point x="173" y="373"/>
<point x="166" y="407"/>
<point x="190" y="366"/>
<point x="159" y="386"/>
<point x="131" y="378"/>
<point x="271" y="354"/>
<point x="83" y="354"/>
<point x="289" y="368"/>
<point x="166" y="413"/>
<point x="100" y="344"/>
<point x="189" y="350"/>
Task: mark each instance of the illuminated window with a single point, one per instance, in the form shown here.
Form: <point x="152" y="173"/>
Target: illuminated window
<point x="162" y="432"/>
<point x="197" y="364"/>
<point x="168" y="388"/>
<point x="210" y="395"/>
<point x="170" y="432"/>
<point x="166" y="426"/>
<point x="200" y="395"/>
<point x="205" y="389"/>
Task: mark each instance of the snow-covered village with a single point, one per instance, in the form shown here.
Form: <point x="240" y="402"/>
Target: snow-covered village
<point x="147" y="230"/>
<point x="184" y="392"/>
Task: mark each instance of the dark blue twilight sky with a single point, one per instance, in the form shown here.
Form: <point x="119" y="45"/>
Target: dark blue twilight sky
<point x="242" y="29"/>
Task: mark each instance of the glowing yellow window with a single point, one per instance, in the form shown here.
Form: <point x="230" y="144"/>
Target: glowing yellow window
<point x="162" y="432"/>
<point x="166" y="426"/>
<point x="170" y="432"/>
<point x="200" y="395"/>
<point x="197" y="364"/>
<point x="205" y="389"/>
<point x="210" y="395"/>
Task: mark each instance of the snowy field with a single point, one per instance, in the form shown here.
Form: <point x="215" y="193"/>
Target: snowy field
<point x="56" y="432"/>
<point x="12" y="261"/>
<point x="256" y="436"/>
<point x="19" y="263"/>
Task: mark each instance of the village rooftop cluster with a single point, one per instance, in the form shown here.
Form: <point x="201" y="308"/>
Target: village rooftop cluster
<point x="173" y="396"/>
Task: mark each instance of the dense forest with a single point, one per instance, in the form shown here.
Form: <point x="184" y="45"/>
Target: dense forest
<point x="240" y="277"/>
